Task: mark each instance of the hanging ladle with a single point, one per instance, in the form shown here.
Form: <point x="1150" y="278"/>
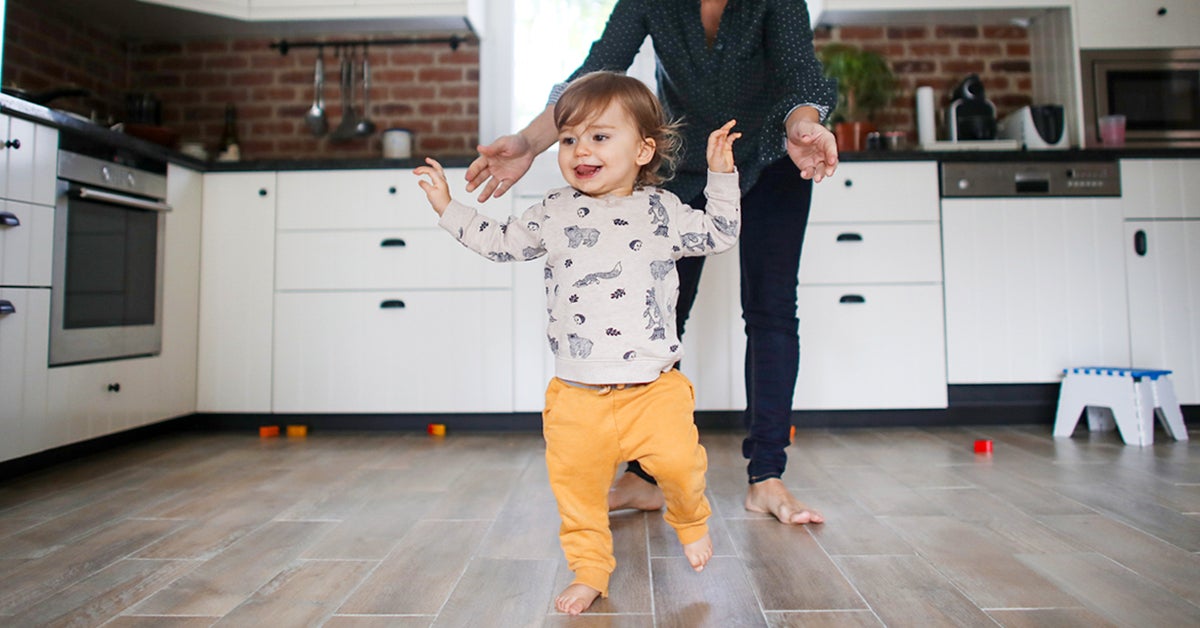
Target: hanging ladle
<point x="346" y="129"/>
<point x="315" y="116"/>
<point x="365" y="126"/>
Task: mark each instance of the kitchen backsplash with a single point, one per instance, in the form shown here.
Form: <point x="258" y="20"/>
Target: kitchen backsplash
<point x="428" y="88"/>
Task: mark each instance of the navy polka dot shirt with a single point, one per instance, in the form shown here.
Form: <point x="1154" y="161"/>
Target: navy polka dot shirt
<point x="758" y="69"/>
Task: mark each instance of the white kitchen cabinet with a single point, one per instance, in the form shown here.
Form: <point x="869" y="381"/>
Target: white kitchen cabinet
<point x="29" y="159"/>
<point x="91" y="400"/>
<point x="923" y="11"/>
<point x="442" y="14"/>
<point x="1161" y="201"/>
<point x="26" y="240"/>
<point x="377" y="309"/>
<point x="237" y="281"/>
<point x="396" y="351"/>
<point x="1033" y="286"/>
<point x="24" y="338"/>
<point x="870" y="296"/>
<point x="1124" y="24"/>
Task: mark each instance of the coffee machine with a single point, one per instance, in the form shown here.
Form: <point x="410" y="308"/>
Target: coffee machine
<point x="971" y="115"/>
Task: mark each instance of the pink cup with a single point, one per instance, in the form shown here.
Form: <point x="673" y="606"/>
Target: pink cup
<point x="1112" y="130"/>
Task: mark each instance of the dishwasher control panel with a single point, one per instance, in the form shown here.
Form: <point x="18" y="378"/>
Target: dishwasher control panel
<point x="1030" y="179"/>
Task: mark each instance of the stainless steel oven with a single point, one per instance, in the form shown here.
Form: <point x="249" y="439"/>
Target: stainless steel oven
<point x="1157" y="90"/>
<point x="106" y="290"/>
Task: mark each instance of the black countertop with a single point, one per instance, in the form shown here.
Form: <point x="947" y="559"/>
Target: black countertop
<point x="23" y="109"/>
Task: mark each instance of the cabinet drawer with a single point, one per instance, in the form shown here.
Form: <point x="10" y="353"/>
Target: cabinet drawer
<point x="877" y="191"/>
<point x="377" y="260"/>
<point x="871" y="347"/>
<point x="364" y="199"/>
<point x="432" y="351"/>
<point x="871" y="253"/>
<point x="24" y="337"/>
<point x="26" y="248"/>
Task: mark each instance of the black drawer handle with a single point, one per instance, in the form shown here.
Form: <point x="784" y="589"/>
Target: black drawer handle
<point x="848" y="183"/>
<point x="114" y="387"/>
<point x="392" y="190"/>
<point x="393" y="242"/>
<point x="849" y="237"/>
<point x="1162" y="11"/>
<point x="1139" y="243"/>
<point x="13" y="144"/>
<point x="852" y="298"/>
<point x="9" y="219"/>
<point x="6" y="307"/>
<point x="392" y="304"/>
<point x="262" y="191"/>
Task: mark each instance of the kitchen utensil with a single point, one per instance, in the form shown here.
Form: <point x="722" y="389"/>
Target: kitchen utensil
<point x="347" y="127"/>
<point x="315" y="116"/>
<point x="971" y="116"/>
<point x="365" y="126"/>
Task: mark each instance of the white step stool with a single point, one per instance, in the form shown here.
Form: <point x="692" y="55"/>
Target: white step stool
<point x="1133" y="395"/>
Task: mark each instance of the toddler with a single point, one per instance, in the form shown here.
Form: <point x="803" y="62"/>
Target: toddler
<point x="610" y="241"/>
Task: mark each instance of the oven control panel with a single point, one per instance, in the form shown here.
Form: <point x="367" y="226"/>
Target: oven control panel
<point x="86" y="170"/>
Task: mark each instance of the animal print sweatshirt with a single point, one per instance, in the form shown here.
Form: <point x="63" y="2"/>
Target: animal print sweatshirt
<point x="611" y="284"/>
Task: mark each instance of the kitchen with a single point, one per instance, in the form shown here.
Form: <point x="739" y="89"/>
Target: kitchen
<point x="258" y="233"/>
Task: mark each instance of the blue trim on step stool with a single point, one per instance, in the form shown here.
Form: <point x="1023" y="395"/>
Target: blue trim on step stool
<point x="1113" y="371"/>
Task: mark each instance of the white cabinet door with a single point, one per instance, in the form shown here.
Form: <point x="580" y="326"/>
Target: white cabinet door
<point x="871" y="347"/>
<point x="1124" y="24"/>
<point x="394" y="352"/>
<point x="382" y="259"/>
<point x="897" y="191"/>
<point x="1033" y="286"/>
<point x="31" y="162"/>
<point x="1163" y="265"/>
<point x="24" y="337"/>
<point x="871" y="253"/>
<point x="1160" y="188"/>
<point x="237" y="277"/>
<point x="26" y="242"/>
<point x="92" y="400"/>
<point x="354" y="199"/>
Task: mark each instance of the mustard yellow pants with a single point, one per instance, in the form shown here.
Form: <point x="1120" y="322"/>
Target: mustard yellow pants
<point x="589" y="432"/>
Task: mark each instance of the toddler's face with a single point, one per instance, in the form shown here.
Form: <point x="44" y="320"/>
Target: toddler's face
<point x="603" y="154"/>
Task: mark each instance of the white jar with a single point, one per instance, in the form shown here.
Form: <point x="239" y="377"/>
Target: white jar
<point x="397" y="144"/>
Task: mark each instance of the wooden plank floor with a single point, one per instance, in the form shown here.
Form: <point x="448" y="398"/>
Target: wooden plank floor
<point x="386" y="529"/>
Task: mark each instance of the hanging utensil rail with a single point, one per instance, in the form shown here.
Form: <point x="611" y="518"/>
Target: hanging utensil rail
<point x="283" y="45"/>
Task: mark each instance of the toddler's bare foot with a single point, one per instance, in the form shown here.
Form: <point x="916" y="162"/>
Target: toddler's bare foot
<point x="631" y="491"/>
<point x="575" y="599"/>
<point x="698" y="552"/>
<point x="772" y="497"/>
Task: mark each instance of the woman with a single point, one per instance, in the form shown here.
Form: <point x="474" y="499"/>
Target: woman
<point x="753" y="61"/>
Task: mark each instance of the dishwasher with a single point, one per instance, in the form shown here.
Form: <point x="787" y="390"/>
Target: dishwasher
<point x="1034" y="268"/>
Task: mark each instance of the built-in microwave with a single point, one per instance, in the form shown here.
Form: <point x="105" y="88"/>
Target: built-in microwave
<point x="1157" y="90"/>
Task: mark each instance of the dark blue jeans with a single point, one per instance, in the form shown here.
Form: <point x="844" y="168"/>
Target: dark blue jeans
<point x="774" y="217"/>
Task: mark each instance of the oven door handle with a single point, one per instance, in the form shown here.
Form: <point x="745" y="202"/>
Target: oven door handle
<point x="121" y="199"/>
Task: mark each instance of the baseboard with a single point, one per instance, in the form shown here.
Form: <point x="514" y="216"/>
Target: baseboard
<point x="1000" y="404"/>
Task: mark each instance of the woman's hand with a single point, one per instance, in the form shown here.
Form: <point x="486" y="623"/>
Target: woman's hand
<point x="436" y="188"/>
<point x="499" y="165"/>
<point x="720" y="148"/>
<point x="811" y="146"/>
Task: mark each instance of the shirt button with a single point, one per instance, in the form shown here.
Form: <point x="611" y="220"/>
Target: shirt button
<point x="720" y="46"/>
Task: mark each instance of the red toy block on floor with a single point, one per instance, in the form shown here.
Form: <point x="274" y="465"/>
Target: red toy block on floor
<point x="268" y="431"/>
<point x="983" y="446"/>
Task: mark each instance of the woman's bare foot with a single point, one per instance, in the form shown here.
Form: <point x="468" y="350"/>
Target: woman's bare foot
<point x="575" y="599"/>
<point x="698" y="552"/>
<point x="631" y="491"/>
<point x="772" y="497"/>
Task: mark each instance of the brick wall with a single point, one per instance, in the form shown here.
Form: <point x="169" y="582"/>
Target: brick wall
<point x="428" y="88"/>
<point x="940" y="56"/>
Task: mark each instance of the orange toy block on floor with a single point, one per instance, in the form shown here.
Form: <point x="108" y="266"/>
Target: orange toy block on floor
<point x="792" y="436"/>
<point x="297" y="431"/>
<point x="268" y="431"/>
<point x="436" y="429"/>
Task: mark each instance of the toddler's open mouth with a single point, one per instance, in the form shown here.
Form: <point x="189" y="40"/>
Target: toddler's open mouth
<point x="584" y="171"/>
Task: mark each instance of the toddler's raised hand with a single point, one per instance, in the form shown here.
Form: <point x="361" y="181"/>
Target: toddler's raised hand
<point x="720" y="148"/>
<point x="436" y="189"/>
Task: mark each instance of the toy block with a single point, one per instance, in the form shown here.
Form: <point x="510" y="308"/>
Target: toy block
<point x="983" y="446"/>
<point x="436" y="429"/>
<point x="268" y="431"/>
<point x="297" y="431"/>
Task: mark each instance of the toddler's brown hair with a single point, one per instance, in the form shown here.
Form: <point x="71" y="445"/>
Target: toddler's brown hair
<point x="591" y="93"/>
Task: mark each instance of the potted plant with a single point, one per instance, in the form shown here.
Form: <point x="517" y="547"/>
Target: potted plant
<point x="865" y="84"/>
